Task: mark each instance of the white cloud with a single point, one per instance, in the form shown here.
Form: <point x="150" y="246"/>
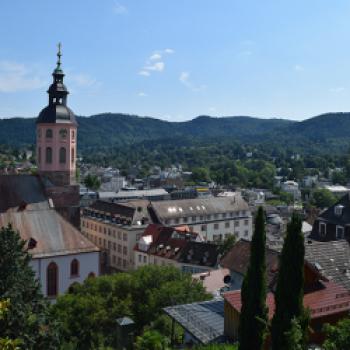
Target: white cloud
<point x="185" y="80"/>
<point x="157" y="66"/>
<point x="169" y="51"/>
<point x="82" y="80"/>
<point x="144" y="73"/>
<point x="155" y="57"/>
<point x="142" y="94"/>
<point x="119" y="9"/>
<point x="18" y="77"/>
<point x="298" y="68"/>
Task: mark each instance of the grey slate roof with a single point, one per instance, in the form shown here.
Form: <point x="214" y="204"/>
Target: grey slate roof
<point x="199" y="206"/>
<point x="18" y="189"/>
<point x="332" y="259"/>
<point x="204" y="320"/>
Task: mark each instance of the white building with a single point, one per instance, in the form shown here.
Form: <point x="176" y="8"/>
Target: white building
<point x="291" y="187"/>
<point x="61" y="254"/>
<point x="214" y="218"/>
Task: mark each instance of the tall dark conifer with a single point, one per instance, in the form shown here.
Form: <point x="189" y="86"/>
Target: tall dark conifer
<point x="253" y="318"/>
<point x="290" y="286"/>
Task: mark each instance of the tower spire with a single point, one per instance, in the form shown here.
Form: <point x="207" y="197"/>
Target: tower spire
<point x="59" y="54"/>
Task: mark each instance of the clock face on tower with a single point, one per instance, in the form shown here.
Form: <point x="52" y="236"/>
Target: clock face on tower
<point x="63" y="133"/>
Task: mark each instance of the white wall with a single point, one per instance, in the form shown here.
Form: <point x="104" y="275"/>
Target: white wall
<point x="88" y="262"/>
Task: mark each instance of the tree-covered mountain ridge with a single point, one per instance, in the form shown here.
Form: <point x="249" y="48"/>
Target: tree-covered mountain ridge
<point x="113" y="129"/>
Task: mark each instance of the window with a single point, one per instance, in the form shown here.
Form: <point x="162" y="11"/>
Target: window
<point x="224" y="215"/>
<point x="193" y="218"/>
<point x="125" y="237"/>
<point x="140" y="257"/>
<point x="119" y="248"/>
<point x="49" y="134"/>
<point x="100" y="241"/>
<point x="72" y="155"/>
<point x="185" y="220"/>
<point x="62" y="155"/>
<point x="124" y="263"/>
<point x="39" y="155"/>
<point x="246" y="222"/>
<point x="114" y="259"/>
<point x="119" y="235"/>
<point x="74" y="268"/>
<point x="227" y="224"/>
<point x="203" y="227"/>
<point x="322" y="229"/>
<point x="119" y="261"/>
<point x="52" y="280"/>
<point x="63" y="133"/>
<point x="73" y="134"/>
<point x="115" y="247"/>
<point x="340" y="232"/>
<point x="216" y="226"/>
<point x="145" y="259"/>
<point x="246" y="233"/>
<point x="176" y="221"/>
<point x="237" y="223"/>
<point x="125" y="250"/>
<point x="109" y="244"/>
<point x="48" y="155"/>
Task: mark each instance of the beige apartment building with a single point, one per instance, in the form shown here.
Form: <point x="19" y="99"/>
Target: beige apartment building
<point x="115" y="228"/>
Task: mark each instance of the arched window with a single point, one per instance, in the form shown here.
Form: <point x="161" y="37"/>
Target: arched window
<point x="48" y="155"/>
<point x="52" y="280"/>
<point x="74" y="268"/>
<point x="73" y="134"/>
<point x="73" y="155"/>
<point x="49" y="133"/>
<point x="62" y="155"/>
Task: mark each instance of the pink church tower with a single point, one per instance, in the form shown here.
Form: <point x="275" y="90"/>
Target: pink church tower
<point x="56" y="142"/>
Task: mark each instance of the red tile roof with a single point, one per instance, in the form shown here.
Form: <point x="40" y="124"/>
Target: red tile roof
<point x="331" y="299"/>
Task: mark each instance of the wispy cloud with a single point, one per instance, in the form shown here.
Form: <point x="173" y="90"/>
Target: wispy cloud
<point x="245" y="53"/>
<point x="155" y="62"/>
<point x="83" y="80"/>
<point x="185" y="80"/>
<point x="17" y="77"/>
<point x="142" y="94"/>
<point x="337" y="90"/>
<point x="298" y="68"/>
<point x="119" y="9"/>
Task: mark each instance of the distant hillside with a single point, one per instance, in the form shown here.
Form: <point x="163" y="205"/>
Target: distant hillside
<point x="109" y="130"/>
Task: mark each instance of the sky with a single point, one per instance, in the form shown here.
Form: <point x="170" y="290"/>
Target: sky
<point x="177" y="59"/>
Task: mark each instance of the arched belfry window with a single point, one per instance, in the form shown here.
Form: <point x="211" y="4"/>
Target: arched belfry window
<point x="52" y="280"/>
<point x="62" y="155"/>
<point x="48" y="155"/>
<point x="49" y="134"/>
<point x="73" y="155"/>
<point x="74" y="268"/>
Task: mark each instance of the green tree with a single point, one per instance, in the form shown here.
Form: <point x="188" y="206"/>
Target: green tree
<point x="253" y="317"/>
<point x="88" y="313"/>
<point x="200" y="175"/>
<point x="152" y="340"/>
<point x="323" y="198"/>
<point x="227" y="244"/>
<point x="337" y="336"/>
<point x="294" y="337"/>
<point x="92" y="182"/>
<point x="290" y="286"/>
<point x="27" y="317"/>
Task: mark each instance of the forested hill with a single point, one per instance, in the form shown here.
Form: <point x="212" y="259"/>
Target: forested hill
<point x="106" y="130"/>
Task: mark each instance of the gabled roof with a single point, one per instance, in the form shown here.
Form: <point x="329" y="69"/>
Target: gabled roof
<point x="332" y="259"/>
<point x="53" y="234"/>
<point x="330" y="299"/>
<point x="330" y="216"/>
<point x="237" y="259"/>
<point x="199" y="206"/>
<point x="18" y="190"/>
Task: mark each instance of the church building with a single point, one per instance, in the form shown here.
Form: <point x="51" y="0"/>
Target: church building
<point x="44" y="208"/>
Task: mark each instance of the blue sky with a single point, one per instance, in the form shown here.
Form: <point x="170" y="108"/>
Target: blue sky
<point x="176" y="59"/>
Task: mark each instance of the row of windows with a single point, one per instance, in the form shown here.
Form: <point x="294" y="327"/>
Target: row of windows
<point x="220" y="237"/>
<point x="102" y="242"/>
<point x="227" y="225"/>
<point x="52" y="276"/>
<point x="339" y="232"/>
<point x="62" y="155"/>
<point x="62" y="132"/>
<point x="119" y="262"/>
<point x="202" y="218"/>
<point x="103" y="229"/>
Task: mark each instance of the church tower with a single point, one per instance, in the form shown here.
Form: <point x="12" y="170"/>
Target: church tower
<point x="56" y="127"/>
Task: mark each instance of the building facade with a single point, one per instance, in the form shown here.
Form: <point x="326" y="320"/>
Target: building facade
<point x="115" y="228"/>
<point x="214" y="218"/>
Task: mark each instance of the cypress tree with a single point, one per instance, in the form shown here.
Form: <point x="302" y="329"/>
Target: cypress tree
<point x="253" y="318"/>
<point x="290" y="286"/>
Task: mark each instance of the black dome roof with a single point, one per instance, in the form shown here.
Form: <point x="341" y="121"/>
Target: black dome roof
<point x="56" y="113"/>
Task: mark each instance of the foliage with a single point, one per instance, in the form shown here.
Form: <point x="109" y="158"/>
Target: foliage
<point x="253" y="318"/>
<point x="7" y="343"/>
<point x="338" y="336"/>
<point x="27" y="317"/>
<point x="227" y="244"/>
<point x="294" y="337"/>
<point x="217" y="347"/>
<point x="87" y="314"/>
<point x="92" y="182"/>
<point x="323" y="198"/>
<point x="152" y="340"/>
<point x="289" y="290"/>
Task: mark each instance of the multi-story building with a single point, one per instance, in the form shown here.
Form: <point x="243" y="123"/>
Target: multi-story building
<point x="161" y="245"/>
<point x="214" y="218"/>
<point x="115" y="228"/>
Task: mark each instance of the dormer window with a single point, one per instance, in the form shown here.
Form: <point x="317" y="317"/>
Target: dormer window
<point x="338" y="210"/>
